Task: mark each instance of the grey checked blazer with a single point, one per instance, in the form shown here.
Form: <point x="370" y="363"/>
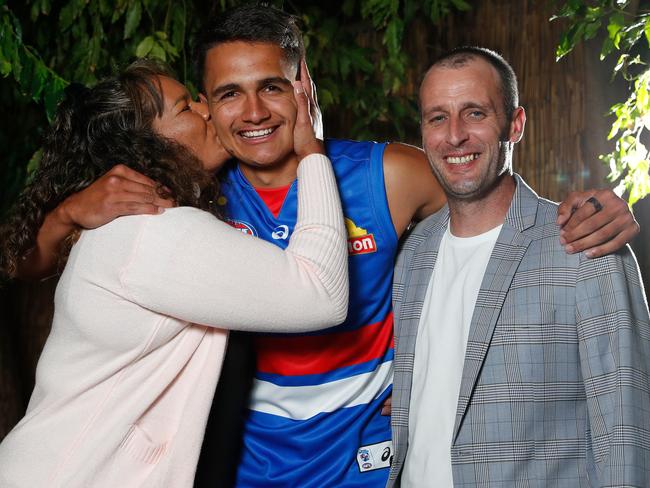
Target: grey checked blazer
<point x="555" y="389"/>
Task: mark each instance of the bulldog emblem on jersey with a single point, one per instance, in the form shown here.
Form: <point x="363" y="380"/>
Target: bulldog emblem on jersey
<point x="359" y="241"/>
<point x="375" y="456"/>
<point x="242" y="226"/>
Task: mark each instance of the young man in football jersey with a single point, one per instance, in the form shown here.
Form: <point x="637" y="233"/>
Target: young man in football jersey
<point x="315" y="407"/>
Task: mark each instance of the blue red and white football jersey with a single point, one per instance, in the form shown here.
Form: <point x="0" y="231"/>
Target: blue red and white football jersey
<point x="314" y="416"/>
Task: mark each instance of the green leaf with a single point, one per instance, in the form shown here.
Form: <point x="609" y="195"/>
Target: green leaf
<point x="70" y="12"/>
<point x="642" y="99"/>
<point x="52" y="95"/>
<point x="133" y="16"/>
<point x="563" y="48"/>
<point x="145" y="47"/>
<point x="615" y="128"/>
<point x="616" y="24"/>
<point x="5" y="68"/>
<point x="461" y="5"/>
<point x="325" y="97"/>
<point x="358" y="56"/>
<point x="591" y="29"/>
<point x="647" y="30"/>
<point x="34" y="161"/>
<point x="608" y="47"/>
<point x="118" y="10"/>
<point x="594" y="14"/>
<point x="158" y="52"/>
<point x="178" y="26"/>
<point x="393" y="36"/>
<point x="621" y="62"/>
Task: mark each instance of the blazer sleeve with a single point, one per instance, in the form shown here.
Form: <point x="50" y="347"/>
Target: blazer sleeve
<point x="614" y="342"/>
<point x="191" y="266"/>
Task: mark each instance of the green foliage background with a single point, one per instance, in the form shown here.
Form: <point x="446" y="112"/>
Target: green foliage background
<point x="355" y="51"/>
<point x="626" y="28"/>
<point x="46" y="44"/>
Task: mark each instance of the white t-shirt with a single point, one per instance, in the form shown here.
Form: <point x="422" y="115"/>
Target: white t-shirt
<point x="439" y="356"/>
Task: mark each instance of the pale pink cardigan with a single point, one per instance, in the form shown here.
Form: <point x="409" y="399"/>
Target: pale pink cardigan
<point x="125" y="382"/>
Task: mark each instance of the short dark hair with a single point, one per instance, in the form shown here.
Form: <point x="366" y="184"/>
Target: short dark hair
<point x="251" y="23"/>
<point x="460" y="56"/>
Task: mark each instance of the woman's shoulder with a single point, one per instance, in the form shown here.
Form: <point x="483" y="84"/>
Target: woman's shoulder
<point x="171" y="218"/>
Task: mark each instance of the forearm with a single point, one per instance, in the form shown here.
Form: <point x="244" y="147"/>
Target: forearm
<point x="41" y="261"/>
<point x="198" y="269"/>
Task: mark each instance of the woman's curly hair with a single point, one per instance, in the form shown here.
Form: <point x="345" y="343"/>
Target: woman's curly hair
<point x="95" y="129"/>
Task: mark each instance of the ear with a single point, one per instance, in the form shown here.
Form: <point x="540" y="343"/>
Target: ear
<point x="517" y="125"/>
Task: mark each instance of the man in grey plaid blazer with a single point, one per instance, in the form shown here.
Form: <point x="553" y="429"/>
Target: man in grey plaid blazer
<point x="554" y="388"/>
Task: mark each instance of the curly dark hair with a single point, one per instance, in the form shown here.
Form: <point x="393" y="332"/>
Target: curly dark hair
<point x="95" y="129"/>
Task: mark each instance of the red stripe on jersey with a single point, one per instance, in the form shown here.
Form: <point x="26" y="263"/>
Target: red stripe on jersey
<point x="273" y="198"/>
<point x="303" y="355"/>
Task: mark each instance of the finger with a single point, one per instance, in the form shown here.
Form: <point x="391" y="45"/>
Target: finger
<point x="125" y="172"/>
<point x="616" y="233"/>
<point x="148" y="198"/>
<point x="119" y="185"/>
<point x="564" y="212"/>
<point x="570" y="204"/>
<point x="135" y="208"/>
<point x="595" y="238"/>
<point x="314" y="109"/>
<point x="611" y="246"/>
<point x="583" y="221"/>
<point x="302" y="116"/>
<point x="158" y="201"/>
<point x="305" y="79"/>
<point x="587" y="219"/>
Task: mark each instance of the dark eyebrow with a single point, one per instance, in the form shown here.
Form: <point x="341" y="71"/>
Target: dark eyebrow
<point x="261" y="83"/>
<point x="437" y="108"/>
<point x="276" y="79"/>
<point x="485" y="108"/>
<point x="223" y="88"/>
<point x="427" y="112"/>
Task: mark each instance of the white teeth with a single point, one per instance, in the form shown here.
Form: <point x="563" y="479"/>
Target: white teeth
<point x="461" y="159"/>
<point x="256" y="133"/>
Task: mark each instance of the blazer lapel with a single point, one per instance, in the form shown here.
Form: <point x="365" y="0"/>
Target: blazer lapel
<point x="413" y="270"/>
<point x="508" y="252"/>
<point x="423" y="261"/>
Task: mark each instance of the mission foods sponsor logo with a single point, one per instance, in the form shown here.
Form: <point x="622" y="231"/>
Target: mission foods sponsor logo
<point x="359" y="241"/>
<point x="242" y="226"/>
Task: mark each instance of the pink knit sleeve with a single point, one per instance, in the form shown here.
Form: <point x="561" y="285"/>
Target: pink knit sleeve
<point x="189" y="265"/>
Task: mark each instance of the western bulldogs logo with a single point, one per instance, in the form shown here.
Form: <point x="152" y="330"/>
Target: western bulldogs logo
<point x="375" y="456"/>
<point x="242" y="226"/>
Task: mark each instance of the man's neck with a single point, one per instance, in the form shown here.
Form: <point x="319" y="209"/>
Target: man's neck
<point x="469" y="218"/>
<point x="272" y="176"/>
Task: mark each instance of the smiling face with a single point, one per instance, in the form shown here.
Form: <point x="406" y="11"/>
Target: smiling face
<point x="187" y="122"/>
<point x="465" y="133"/>
<point x="251" y="102"/>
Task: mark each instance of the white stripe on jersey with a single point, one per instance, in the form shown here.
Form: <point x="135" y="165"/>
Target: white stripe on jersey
<point x="304" y="402"/>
